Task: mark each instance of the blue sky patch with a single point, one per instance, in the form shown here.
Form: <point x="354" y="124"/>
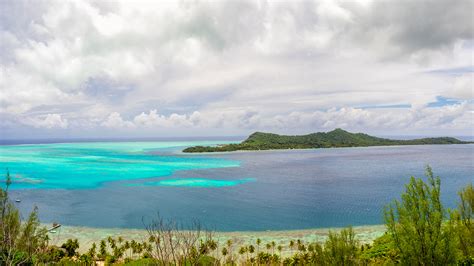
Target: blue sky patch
<point x="443" y="101"/>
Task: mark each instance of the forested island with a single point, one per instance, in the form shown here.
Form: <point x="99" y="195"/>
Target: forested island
<point x="331" y="139"/>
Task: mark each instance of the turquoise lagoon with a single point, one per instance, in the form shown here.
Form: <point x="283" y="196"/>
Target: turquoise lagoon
<point x="90" y="165"/>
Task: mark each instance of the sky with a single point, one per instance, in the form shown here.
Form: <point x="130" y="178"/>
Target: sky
<point x="73" y="69"/>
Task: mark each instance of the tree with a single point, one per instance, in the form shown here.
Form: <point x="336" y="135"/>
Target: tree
<point x="172" y="244"/>
<point x="382" y="250"/>
<point x="20" y="241"/>
<point x="224" y="253"/>
<point x="258" y="244"/>
<point x="71" y="246"/>
<point x="102" y="250"/>
<point x="341" y="249"/>
<point x="92" y="251"/>
<point x="251" y="249"/>
<point x="417" y="224"/>
<point x="243" y="250"/>
<point x="229" y="249"/>
<point x="463" y="219"/>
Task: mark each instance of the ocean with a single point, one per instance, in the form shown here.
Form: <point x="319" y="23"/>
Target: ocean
<point x="126" y="184"/>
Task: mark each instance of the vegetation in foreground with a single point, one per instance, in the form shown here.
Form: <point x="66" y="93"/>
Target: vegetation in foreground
<point x="332" y="139"/>
<point x="420" y="231"/>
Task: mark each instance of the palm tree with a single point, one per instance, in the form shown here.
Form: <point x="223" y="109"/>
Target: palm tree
<point x="92" y="251"/>
<point x="251" y="250"/>
<point x="212" y="244"/>
<point x="258" y="244"/>
<point x="103" y="250"/>
<point x="224" y="253"/>
<point x="111" y="242"/>
<point x="229" y="246"/>
<point x="300" y="245"/>
<point x="242" y="251"/>
<point x="134" y="246"/>
<point x="126" y="246"/>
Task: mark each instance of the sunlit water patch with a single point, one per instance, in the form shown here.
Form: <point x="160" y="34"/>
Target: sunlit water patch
<point x="196" y="182"/>
<point x="90" y="165"/>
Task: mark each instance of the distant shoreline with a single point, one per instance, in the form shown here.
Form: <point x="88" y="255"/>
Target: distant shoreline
<point x="88" y="235"/>
<point x="313" y="149"/>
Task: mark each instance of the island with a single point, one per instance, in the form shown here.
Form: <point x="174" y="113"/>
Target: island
<point x="332" y="139"/>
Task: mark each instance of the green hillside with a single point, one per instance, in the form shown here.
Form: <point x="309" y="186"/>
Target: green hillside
<point x="331" y="139"/>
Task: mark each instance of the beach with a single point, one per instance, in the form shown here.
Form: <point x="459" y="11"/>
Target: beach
<point x="88" y="235"/>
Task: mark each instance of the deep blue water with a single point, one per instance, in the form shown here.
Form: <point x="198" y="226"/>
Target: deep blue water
<point x="268" y="190"/>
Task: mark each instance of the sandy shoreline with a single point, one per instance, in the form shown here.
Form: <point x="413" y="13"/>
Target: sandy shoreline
<point x="88" y="235"/>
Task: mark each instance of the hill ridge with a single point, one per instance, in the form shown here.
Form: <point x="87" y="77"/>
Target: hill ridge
<point x="331" y="139"/>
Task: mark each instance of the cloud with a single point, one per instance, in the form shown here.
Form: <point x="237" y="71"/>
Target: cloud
<point x="416" y="119"/>
<point x="49" y="121"/>
<point x="153" y="119"/>
<point x="237" y="65"/>
<point x="462" y="87"/>
<point x="413" y="29"/>
<point x="114" y="120"/>
<point x="399" y="119"/>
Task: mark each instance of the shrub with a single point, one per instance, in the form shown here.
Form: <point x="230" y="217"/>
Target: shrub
<point x="417" y="224"/>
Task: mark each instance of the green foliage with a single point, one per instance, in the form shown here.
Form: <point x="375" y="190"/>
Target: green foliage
<point x="463" y="219"/>
<point x="70" y="247"/>
<point x="52" y="254"/>
<point x="266" y="258"/>
<point x="207" y="260"/>
<point x="341" y="248"/>
<point x="381" y="251"/>
<point x="335" y="138"/>
<point x="20" y="241"/>
<point x="143" y="262"/>
<point x="417" y="224"/>
<point x="81" y="260"/>
<point x="103" y="249"/>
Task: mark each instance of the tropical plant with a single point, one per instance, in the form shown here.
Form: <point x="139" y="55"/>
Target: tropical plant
<point x="20" y="240"/>
<point x="70" y="247"/>
<point x="463" y="219"/>
<point x="418" y="226"/>
<point x="342" y="248"/>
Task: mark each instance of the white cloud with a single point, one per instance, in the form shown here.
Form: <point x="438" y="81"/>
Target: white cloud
<point x="114" y="120"/>
<point x="49" y="121"/>
<point x="402" y="120"/>
<point x="462" y="87"/>
<point x="153" y="119"/>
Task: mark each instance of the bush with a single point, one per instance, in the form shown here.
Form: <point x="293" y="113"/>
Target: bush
<point x="418" y="225"/>
<point x="70" y="246"/>
<point x="463" y="219"/>
<point x="341" y="249"/>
